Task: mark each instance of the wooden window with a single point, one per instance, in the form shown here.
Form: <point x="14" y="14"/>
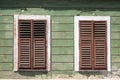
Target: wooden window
<point x="92" y="43"/>
<point x="93" y="53"/>
<point x="32" y="43"/>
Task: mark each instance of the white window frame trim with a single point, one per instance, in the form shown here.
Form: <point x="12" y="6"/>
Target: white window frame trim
<point x="76" y="38"/>
<point x="29" y="17"/>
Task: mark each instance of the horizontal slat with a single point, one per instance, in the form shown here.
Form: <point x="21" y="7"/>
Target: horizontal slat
<point x="6" y="19"/>
<point x="115" y="66"/>
<point x="24" y="47"/>
<point x="62" y="34"/>
<point x="6" y="26"/>
<point x="62" y="19"/>
<point x="100" y="44"/>
<point x="24" y="28"/>
<point x="6" y="66"/>
<point x="62" y="27"/>
<point x="6" y="50"/>
<point x="115" y="19"/>
<point x="39" y="53"/>
<point x="115" y="35"/>
<point x="62" y="42"/>
<point x="85" y="44"/>
<point x="6" y="42"/>
<point x="62" y="58"/>
<point x="99" y="29"/>
<point x="106" y="13"/>
<point x="62" y="50"/>
<point x="100" y="56"/>
<point x="62" y="66"/>
<point x="115" y="43"/>
<point x="85" y="29"/>
<point x="6" y="58"/>
<point x="6" y="34"/>
<point x="115" y="51"/>
<point x="115" y="59"/>
<point x="82" y="22"/>
<point x="115" y="27"/>
<point x="39" y="29"/>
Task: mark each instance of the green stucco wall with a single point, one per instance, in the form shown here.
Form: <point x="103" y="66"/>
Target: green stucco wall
<point x="62" y="33"/>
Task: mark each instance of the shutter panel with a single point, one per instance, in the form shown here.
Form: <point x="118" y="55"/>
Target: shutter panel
<point x="39" y="38"/>
<point x="100" y="52"/>
<point x="24" y="44"/>
<point x="85" y="44"/>
<point x="32" y="44"/>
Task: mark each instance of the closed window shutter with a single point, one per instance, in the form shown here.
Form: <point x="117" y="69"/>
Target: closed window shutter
<point x="92" y="43"/>
<point x="32" y="44"/>
<point x="85" y="44"/>
<point x="39" y="39"/>
<point x="100" y="51"/>
<point x="24" y="44"/>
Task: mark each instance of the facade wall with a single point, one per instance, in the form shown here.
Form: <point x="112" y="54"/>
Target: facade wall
<point x="62" y="39"/>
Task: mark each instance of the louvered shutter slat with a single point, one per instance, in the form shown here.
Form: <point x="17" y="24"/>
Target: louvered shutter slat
<point x="100" y="44"/>
<point x="39" y="31"/>
<point x="39" y="53"/>
<point x="24" y="44"/>
<point x="93" y="54"/>
<point x="24" y="29"/>
<point x="85" y="44"/>
<point x="32" y="44"/>
<point x="24" y="53"/>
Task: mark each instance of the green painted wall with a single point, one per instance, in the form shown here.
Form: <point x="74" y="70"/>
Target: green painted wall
<point x="62" y="32"/>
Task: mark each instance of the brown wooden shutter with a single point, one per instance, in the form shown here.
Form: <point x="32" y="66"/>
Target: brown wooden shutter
<point x="93" y="51"/>
<point x="85" y="44"/>
<point x="100" y="50"/>
<point x="39" y="39"/>
<point x="32" y="44"/>
<point x="24" y="44"/>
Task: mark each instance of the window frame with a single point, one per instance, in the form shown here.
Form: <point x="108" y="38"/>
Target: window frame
<point x="76" y="38"/>
<point x="31" y="17"/>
